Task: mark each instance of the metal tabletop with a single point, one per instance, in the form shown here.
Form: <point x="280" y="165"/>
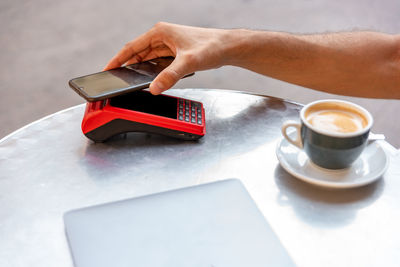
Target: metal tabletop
<point x="49" y="167"/>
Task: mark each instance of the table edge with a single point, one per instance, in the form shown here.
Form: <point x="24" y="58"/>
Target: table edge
<point x="388" y="145"/>
<point x="37" y="121"/>
<point x="204" y="89"/>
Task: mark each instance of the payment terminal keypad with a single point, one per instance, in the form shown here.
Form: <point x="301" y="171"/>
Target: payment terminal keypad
<point x="189" y="111"/>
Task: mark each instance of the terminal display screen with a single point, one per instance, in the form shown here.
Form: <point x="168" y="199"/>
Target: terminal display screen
<point x="144" y="101"/>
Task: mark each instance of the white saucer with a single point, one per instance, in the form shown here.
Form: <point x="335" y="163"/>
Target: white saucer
<point x="370" y="166"/>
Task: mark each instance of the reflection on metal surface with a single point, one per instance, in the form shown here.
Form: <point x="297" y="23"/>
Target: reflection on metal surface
<point x="302" y="159"/>
<point x="365" y="169"/>
<point x="49" y="168"/>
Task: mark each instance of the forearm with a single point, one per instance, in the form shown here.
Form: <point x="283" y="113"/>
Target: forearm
<point x="364" y="64"/>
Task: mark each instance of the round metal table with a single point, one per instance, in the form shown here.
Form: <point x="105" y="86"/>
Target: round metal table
<point x="49" y="167"/>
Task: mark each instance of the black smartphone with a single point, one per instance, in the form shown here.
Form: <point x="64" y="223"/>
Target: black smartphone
<point x="107" y="84"/>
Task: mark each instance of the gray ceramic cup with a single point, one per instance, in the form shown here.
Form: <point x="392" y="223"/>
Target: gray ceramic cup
<point x="329" y="149"/>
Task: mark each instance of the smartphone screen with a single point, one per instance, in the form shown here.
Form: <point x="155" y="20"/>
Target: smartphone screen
<point x="106" y="84"/>
<point x="144" y="101"/>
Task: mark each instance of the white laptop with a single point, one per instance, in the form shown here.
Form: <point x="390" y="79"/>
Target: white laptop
<point x="210" y="225"/>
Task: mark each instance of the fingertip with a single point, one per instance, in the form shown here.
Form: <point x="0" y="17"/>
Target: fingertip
<point x="108" y="67"/>
<point x="115" y="62"/>
<point x="157" y="87"/>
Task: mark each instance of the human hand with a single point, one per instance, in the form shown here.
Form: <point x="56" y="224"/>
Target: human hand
<point x="194" y="49"/>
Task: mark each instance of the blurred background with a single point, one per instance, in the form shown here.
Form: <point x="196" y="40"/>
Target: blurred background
<point x="45" y="43"/>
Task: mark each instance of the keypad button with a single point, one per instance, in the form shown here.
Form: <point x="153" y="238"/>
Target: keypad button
<point x="190" y="111"/>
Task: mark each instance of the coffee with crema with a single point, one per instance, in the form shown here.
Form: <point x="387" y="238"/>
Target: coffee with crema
<point x="335" y="118"/>
<point x="332" y="133"/>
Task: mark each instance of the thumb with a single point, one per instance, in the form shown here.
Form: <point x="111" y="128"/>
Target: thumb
<point x="169" y="76"/>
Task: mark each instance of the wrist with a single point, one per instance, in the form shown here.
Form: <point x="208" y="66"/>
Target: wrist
<point x="244" y="47"/>
<point x="237" y="45"/>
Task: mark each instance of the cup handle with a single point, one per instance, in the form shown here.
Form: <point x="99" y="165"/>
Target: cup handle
<point x="297" y="142"/>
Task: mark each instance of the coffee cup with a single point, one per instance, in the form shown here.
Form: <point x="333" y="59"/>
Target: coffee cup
<point x="333" y="133"/>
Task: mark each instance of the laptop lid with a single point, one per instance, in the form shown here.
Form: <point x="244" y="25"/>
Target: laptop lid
<point x="215" y="224"/>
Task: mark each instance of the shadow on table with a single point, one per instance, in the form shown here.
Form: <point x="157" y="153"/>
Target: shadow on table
<point x="108" y="159"/>
<point x="321" y="207"/>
